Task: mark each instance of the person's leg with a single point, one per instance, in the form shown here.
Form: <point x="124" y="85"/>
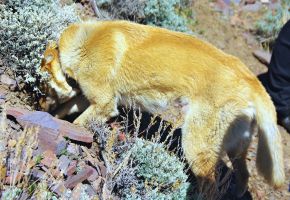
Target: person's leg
<point x="278" y="76"/>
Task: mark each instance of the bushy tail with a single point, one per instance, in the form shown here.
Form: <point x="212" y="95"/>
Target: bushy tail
<point x="269" y="155"/>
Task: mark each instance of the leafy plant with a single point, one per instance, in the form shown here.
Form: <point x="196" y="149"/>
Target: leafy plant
<point x="162" y="13"/>
<point x="270" y="24"/>
<point x="152" y="174"/>
<point x="25" y="28"/>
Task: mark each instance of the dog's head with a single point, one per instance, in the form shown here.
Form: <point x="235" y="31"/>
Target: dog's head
<point x="57" y="80"/>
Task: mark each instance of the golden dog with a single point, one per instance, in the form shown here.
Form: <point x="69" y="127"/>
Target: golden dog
<point x="213" y="95"/>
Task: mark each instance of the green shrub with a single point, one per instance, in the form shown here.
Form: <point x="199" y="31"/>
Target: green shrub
<point x="162" y="13"/>
<point x="270" y="24"/>
<point x="152" y="173"/>
<point x="11" y="193"/>
<point x="25" y="28"/>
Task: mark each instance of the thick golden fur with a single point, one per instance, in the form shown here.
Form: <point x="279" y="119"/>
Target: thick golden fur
<point x="213" y="95"/>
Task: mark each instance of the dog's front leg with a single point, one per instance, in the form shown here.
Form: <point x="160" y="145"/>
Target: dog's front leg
<point x="102" y="108"/>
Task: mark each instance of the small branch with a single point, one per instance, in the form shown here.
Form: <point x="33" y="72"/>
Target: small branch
<point x="96" y="9"/>
<point x="123" y="164"/>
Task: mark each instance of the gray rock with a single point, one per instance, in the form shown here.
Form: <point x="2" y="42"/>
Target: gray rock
<point x="64" y="162"/>
<point x="61" y="147"/>
<point x="11" y="83"/>
<point x="84" y="174"/>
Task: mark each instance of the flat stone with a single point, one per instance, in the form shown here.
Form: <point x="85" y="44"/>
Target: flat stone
<point x="63" y="164"/>
<point x="97" y="184"/>
<point x="16" y="112"/>
<point x="11" y="83"/>
<point x="3" y="93"/>
<point x="263" y="56"/>
<point x="38" y="118"/>
<point x="71" y="168"/>
<point x="90" y="190"/>
<point x="252" y="7"/>
<point x="76" y="194"/>
<point x="37" y="173"/>
<point x="73" y="149"/>
<point x="48" y="129"/>
<point x="51" y="131"/>
<point x="49" y="159"/>
<point x="103" y="170"/>
<point x="24" y="196"/>
<point x="59" y="188"/>
<point x="94" y="176"/>
<point x="84" y="174"/>
<point x="61" y="147"/>
<point x="74" y="132"/>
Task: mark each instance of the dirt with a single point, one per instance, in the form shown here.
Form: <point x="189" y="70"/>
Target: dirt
<point x="234" y="35"/>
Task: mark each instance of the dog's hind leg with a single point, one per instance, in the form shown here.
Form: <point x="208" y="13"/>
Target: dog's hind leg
<point x="202" y="150"/>
<point x="236" y="144"/>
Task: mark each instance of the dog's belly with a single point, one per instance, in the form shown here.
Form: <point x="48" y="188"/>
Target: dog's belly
<point x="171" y="109"/>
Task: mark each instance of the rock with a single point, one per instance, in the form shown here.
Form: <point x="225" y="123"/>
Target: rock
<point x="59" y="188"/>
<point x="48" y="129"/>
<point x="63" y="164"/>
<point x="97" y="184"/>
<point x="76" y="194"/>
<point x="3" y="93"/>
<point x="24" y="196"/>
<point x="252" y="7"/>
<point x="250" y="39"/>
<point x="16" y="112"/>
<point x="38" y="118"/>
<point x="250" y="1"/>
<point x="14" y="125"/>
<point x="51" y="131"/>
<point x="71" y="168"/>
<point x="84" y="174"/>
<point x="37" y="173"/>
<point x="263" y="56"/>
<point x="61" y="147"/>
<point x="12" y="179"/>
<point x="11" y="143"/>
<point x="90" y="190"/>
<point x="73" y="149"/>
<point x="49" y="159"/>
<point x="103" y="170"/>
<point x="94" y="176"/>
<point x="6" y="80"/>
<point x="74" y="132"/>
<point x="122" y="136"/>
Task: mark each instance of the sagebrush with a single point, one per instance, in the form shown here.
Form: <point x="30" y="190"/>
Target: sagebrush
<point x="163" y="13"/>
<point x="272" y="21"/>
<point x="152" y="173"/>
<point x="25" y="28"/>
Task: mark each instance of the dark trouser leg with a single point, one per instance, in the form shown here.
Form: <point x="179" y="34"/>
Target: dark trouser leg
<point x="278" y="83"/>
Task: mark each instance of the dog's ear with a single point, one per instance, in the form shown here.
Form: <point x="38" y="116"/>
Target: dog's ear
<point x="50" y="53"/>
